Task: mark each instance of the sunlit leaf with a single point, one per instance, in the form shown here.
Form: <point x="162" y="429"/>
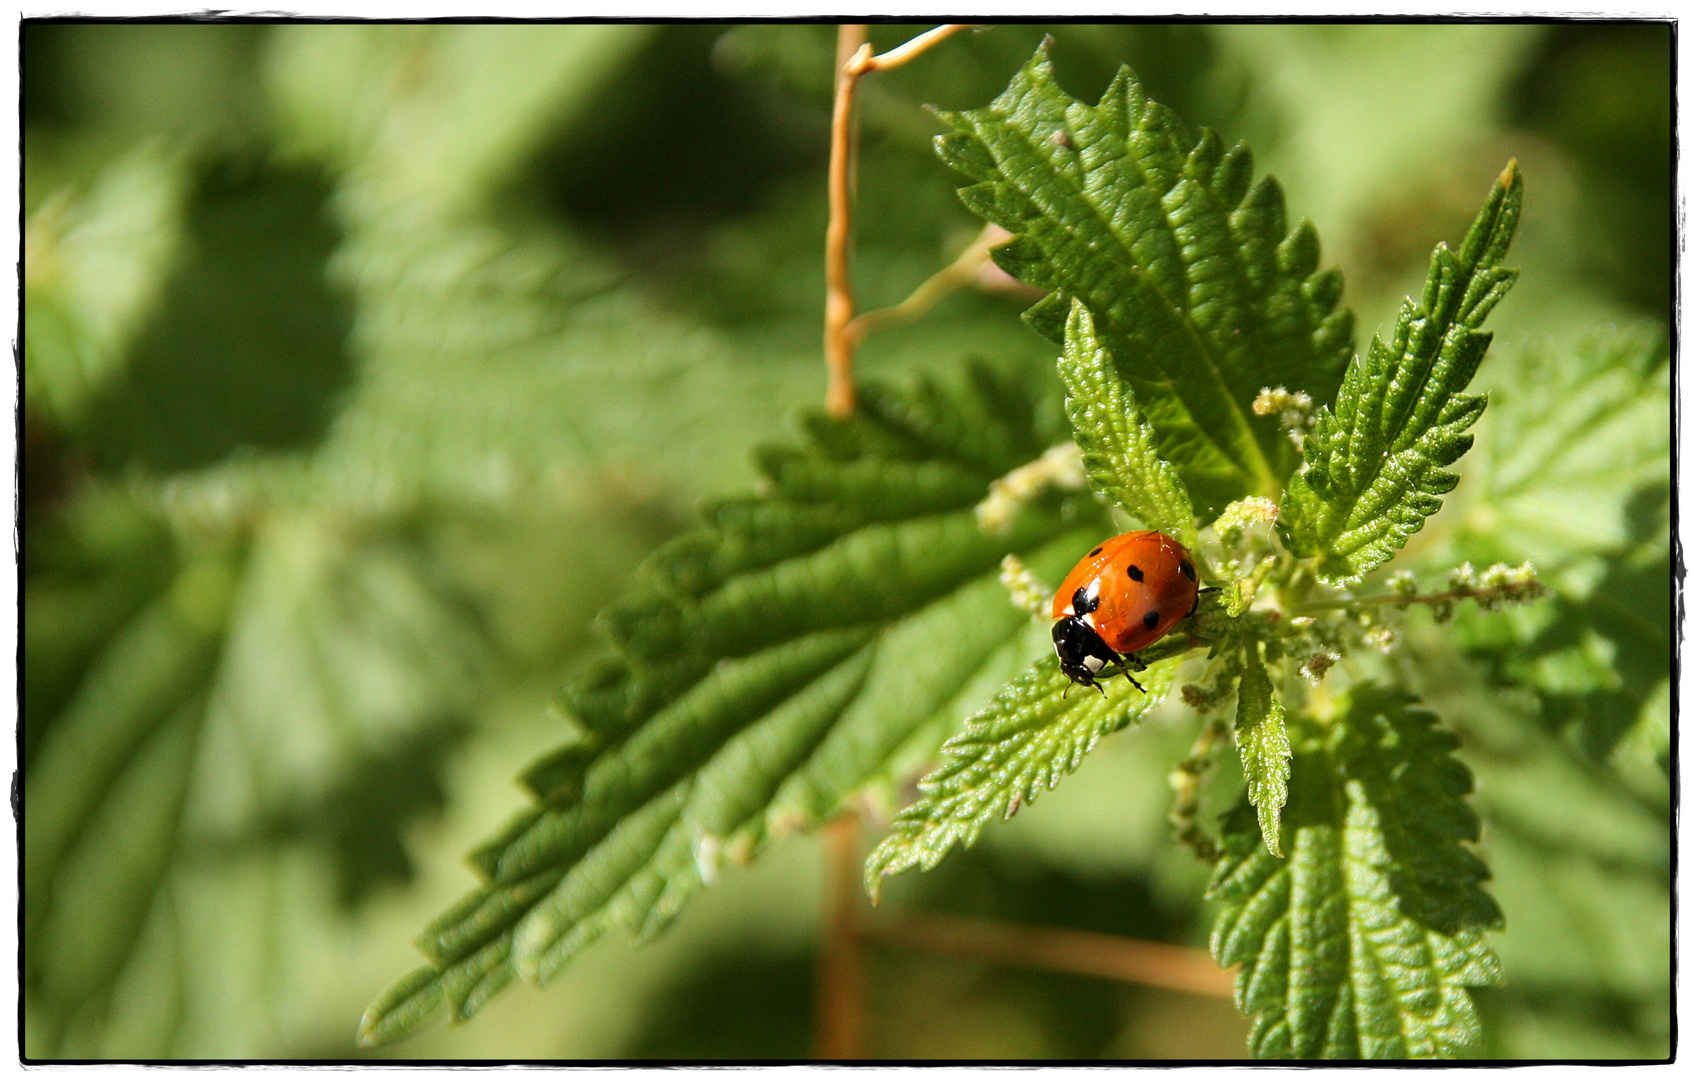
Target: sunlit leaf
<point x="773" y="663"/>
<point x="1375" y="459"/>
<point x="95" y="263"/>
<point x="1263" y="741"/>
<point x="1116" y="441"/>
<point x="1200" y="290"/>
<point x="1363" y="941"/>
<point x="1029" y="738"/>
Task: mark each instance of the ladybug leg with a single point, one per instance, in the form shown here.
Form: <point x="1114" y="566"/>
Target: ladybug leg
<point x="1132" y="662"/>
<point x="1128" y="663"/>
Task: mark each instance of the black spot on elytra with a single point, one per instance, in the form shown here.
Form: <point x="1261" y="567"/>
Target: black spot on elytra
<point x="1135" y="573"/>
<point x="1151" y="619"/>
<point x="1082" y="603"/>
<point x="1093" y="553"/>
<point x="1187" y="568"/>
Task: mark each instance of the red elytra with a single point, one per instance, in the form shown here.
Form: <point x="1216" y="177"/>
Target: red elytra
<point x="1125" y="595"/>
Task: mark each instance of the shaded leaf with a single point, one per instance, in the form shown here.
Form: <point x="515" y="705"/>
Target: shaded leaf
<point x="553" y="374"/>
<point x="88" y="572"/>
<point x="1581" y="859"/>
<point x="91" y="920"/>
<point x="432" y="117"/>
<point x="221" y="731"/>
<point x="246" y="348"/>
<point x="104" y="793"/>
<point x="1596" y="653"/>
<point x="1572" y="472"/>
<point x="143" y="678"/>
<point x="1577" y="435"/>
<point x="1588" y="885"/>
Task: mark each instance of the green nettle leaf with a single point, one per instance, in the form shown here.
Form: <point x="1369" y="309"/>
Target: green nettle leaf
<point x="1031" y="736"/>
<point x="1597" y="660"/>
<point x="1118" y="444"/>
<point x="88" y="575"/>
<point x="95" y="264"/>
<point x="1578" y="433"/>
<point x="552" y="369"/>
<point x="231" y="724"/>
<point x="1201" y="293"/>
<point x="1362" y="942"/>
<point x="106" y="789"/>
<point x="1375" y="458"/>
<point x="434" y="117"/>
<point x="771" y="663"/>
<point x="1263" y="742"/>
<point x="1572" y="471"/>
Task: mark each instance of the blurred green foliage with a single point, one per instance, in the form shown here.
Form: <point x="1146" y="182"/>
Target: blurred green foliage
<point x="363" y="364"/>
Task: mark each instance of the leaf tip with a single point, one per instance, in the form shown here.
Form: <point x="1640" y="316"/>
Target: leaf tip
<point x="401" y="1008"/>
<point x="873" y="883"/>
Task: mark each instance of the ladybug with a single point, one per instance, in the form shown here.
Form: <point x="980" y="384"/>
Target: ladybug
<point x="1123" y="596"/>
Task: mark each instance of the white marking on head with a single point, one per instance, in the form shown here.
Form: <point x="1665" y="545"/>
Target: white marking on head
<point x="1093" y="663"/>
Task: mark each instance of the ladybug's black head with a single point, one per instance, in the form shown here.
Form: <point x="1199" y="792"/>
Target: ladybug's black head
<point x="1082" y="653"/>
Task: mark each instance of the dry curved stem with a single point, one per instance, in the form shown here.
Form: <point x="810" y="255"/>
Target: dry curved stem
<point x="1109" y="956"/>
<point x="859" y="65"/>
<point x="854" y="59"/>
<point x="963" y="271"/>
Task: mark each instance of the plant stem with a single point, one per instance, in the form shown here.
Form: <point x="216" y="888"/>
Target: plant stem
<point x="1503" y="592"/>
<point x="838" y="234"/>
<point x="1148" y="963"/>
<point x="841" y="968"/>
<point x="854" y="58"/>
<point x="957" y="274"/>
<point x="912" y="49"/>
